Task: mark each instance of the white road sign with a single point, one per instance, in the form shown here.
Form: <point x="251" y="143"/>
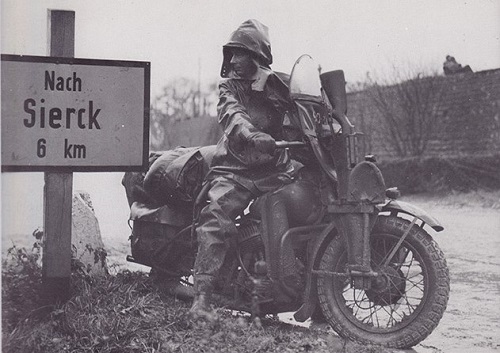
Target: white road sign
<point x="74" y="114"/>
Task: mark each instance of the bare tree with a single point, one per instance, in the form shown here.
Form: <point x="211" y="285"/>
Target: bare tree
<point x="181" y="99"/>
<point x="408" y="106"/>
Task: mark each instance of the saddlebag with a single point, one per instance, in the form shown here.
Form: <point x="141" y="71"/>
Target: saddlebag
<point x="161" y="206"/>
<point x="133" y="183"/>
<point x="176" y="177"/>
<point x="157" y="240"/>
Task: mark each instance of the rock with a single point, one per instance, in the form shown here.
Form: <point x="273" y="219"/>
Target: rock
<point x="86" y="242"/>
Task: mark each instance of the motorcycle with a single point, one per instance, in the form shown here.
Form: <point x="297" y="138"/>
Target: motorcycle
<point x="333" y="245"/>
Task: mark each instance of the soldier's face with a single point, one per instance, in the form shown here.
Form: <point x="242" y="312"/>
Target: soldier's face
<point x="242" y="63"/>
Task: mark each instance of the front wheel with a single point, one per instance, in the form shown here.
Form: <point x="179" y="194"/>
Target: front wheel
<point x="406" y="300"/>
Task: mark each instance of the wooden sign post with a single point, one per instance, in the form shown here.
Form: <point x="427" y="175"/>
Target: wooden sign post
<point x="62" y="115"/>
<point x="58" y="192"/>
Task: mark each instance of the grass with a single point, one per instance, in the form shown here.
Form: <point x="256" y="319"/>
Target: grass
<point x="127" y="313"/>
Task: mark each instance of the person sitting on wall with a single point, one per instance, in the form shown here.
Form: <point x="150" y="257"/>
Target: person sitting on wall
<point x="451" y="66"/>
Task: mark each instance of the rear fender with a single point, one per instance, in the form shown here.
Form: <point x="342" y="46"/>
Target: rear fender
<point x="407" y="208"/>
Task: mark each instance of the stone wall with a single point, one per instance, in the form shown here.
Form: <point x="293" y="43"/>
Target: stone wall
<point x="467" y="122"/>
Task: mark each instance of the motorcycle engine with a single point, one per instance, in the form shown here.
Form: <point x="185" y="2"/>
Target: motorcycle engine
<point x="249" y="238"/>
<point x="250" y="244"/>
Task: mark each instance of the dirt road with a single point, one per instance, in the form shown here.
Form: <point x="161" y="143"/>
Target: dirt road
<point x="471" y="243"/>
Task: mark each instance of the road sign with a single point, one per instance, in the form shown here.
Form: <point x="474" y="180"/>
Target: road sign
<point x="74" y="114"/>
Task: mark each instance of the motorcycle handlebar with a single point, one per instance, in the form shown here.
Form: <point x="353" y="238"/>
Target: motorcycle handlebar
<point x="287" y="144"/>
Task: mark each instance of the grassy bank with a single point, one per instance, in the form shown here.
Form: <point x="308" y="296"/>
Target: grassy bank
<point x="127" y="313"/>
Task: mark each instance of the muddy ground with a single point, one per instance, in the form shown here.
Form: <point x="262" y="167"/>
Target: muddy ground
<point x="471" y="243"/>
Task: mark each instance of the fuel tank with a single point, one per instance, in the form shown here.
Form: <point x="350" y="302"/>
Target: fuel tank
<point x="302" y="200"/>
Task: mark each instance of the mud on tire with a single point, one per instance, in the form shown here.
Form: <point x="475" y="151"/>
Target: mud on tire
<point x="404" y="305"/>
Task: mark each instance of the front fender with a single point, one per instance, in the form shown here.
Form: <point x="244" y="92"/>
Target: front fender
<point x="405" y="207"/>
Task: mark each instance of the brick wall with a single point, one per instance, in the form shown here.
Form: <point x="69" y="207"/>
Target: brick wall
<point x="467" y="121"/>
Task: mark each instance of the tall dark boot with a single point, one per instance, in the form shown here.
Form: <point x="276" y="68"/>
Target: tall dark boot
<point x="201" y="310"/>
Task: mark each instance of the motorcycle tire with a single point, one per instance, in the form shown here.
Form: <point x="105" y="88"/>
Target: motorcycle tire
<point x="404" y="304"/>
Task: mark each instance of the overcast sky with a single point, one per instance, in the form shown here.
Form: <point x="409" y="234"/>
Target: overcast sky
<point x="178" y="36"/>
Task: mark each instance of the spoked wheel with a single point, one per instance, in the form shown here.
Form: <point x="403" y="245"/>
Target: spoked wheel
<point x="406" y="300"/>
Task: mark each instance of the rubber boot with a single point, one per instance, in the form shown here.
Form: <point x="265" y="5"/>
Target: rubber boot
<point x="201" y="310"/>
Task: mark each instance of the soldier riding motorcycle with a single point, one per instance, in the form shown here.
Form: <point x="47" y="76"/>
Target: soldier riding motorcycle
<point x="334" y="242"/>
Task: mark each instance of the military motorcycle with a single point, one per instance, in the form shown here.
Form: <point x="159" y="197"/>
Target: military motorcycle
<point x="335" y="244"/>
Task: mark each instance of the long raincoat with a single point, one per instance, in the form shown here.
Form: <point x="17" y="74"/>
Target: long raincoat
<point x="239" y="172"/>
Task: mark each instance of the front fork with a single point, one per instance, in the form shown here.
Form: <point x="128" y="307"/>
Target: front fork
<point x="356" y="230"/>
<point x="359" y="266"/>
<point x="354" y="222"/>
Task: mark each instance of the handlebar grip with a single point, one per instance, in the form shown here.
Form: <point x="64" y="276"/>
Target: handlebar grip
<point x="288" y="144"/>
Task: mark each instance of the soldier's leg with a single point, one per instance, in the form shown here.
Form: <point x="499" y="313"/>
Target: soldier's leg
<point x="216" y="222"/>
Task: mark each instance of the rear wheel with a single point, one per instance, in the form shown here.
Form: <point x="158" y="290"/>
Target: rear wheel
<point x="407" y="299"/>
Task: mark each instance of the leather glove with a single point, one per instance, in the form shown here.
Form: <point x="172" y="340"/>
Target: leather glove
<point x="262" y="142"/>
